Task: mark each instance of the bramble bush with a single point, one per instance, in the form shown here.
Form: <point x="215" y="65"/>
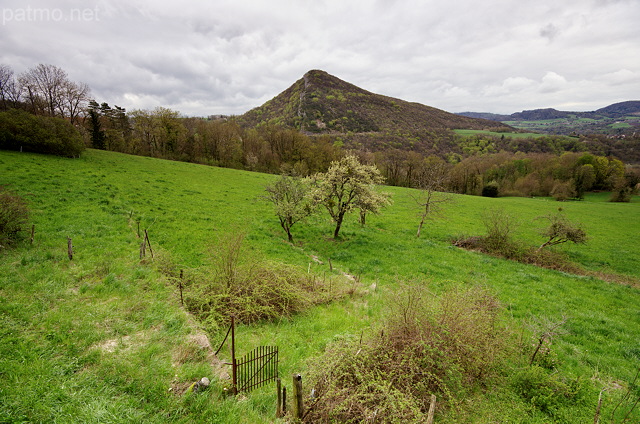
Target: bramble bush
<point x="14" y="214"/>
<point x="448" y="347"/>
<point x="238" y="283"/>
<point x="499" y="241"/>
<point x="547" y="391"/>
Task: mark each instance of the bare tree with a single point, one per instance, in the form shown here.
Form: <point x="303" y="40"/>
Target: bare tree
<point x="7" y="86"/>
<point x="48" y="91"/>
<point x="560" y="230"/>
<point x="430" y="179"/>
<point x="46" y="83"/>
<point x="74" y="97"/>
<point x="546" y="330"/>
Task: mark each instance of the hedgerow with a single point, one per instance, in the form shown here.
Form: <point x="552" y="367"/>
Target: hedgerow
<point x="22" y="131"/>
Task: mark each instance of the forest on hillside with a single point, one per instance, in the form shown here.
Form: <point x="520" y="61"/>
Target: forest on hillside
<point x="558" y="166"/>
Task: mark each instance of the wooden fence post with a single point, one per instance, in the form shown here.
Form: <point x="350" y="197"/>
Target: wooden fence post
<point x="33" y="232"/>
<point x="432" y="409"/>
<point x="69" y="248"/>
<point x="284" y="401"/>
<point x="234" y="364"/>
<point x="146" y="238"/>
<point x="279" y="406"/>
<point x="298" y="406"/>
<point x="180" y="284"/>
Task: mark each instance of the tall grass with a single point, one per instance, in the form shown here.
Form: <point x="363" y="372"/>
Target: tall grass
<point x="102" y="338"/>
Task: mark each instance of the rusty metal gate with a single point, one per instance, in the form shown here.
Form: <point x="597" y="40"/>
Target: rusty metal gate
<point x="256" y="368"/>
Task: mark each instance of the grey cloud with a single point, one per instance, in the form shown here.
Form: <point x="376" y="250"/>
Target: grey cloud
<point x="549" y="31"/>
<point x="204" y="57"/>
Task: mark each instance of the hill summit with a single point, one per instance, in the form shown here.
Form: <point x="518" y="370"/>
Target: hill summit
<point x="321" y="103"/>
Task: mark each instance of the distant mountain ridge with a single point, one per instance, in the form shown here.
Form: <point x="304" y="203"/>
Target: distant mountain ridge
<point x="631" y="107"/>
<point x="616" y="118"/>
<point x="320" y="103"/>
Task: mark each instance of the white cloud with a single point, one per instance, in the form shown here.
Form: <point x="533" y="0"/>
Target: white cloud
<point x="203" y="57"/>
<point x="552" y="82"/>
<point x="621" y="77"/>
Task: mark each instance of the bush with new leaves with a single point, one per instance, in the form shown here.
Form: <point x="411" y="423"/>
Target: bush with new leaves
<point x="14" y="214"/>
<point x="22" y="131"/>
<point x="444" y="346"/>
<point x="561" y="230"/>
<point x="239" y="283"/>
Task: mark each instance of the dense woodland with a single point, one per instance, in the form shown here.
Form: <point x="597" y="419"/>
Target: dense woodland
<point x="44" y="111"/>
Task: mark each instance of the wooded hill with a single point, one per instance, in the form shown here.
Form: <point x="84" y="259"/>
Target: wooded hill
<point x="320" y="103"/>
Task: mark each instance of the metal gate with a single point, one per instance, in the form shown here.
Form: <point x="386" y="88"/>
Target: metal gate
<point x="256" y="368"/>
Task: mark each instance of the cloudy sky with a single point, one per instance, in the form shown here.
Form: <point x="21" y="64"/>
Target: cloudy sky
<point x="228" y="56"/>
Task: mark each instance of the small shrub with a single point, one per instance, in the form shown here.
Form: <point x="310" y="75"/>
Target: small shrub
<point x="445" y="346"/>
<point x="267" y="291"/>
<point x="622" y="194"/>
<point x="490" y="190"/>
<point x="548" y="392"/>
<point x="546" y="357"/>
<point x="14" y="214"/>
<point x="238" y="284"/>
<point x="499" y="239"/>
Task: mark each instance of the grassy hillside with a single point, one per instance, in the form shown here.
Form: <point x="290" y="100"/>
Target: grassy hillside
<point x="103" y="338"/>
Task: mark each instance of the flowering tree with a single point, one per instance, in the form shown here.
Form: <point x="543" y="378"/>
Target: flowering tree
<point x="348" y="185"/>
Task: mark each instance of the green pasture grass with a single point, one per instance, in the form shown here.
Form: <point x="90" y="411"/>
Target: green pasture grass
<point x="536" y="123"/>
<point x="468" y="133"/>
<point x="620" y="125"/>
<point x="102" y="338"/>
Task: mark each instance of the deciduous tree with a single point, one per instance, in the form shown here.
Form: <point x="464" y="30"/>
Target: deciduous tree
<point x="348" y="185"/>
<point x="7" y="86"/>
<point x="430" y="179"/>
<point x="45" y="87"/>
<point x="560" y="230"/>
<point x="291" y="203"/>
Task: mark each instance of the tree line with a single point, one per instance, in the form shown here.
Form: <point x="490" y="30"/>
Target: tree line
<point x="44" y="90"/>
<point x="163" y="133"/>
<point x="42" y="110"/>
<point x="477" y="165"/>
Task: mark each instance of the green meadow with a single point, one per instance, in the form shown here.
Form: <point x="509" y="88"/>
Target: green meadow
<point x="468" y="133"/>
<point x="102" y="338"/>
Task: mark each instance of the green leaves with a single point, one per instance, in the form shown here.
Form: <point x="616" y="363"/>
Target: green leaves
<point x="348" y="185"/>
<point x="291" y="201"/>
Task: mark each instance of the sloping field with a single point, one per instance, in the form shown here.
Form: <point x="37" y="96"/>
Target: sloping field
<point x="103" y="337"/>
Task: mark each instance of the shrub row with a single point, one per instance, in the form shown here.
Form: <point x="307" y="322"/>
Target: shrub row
<point x="22" y="131"/>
